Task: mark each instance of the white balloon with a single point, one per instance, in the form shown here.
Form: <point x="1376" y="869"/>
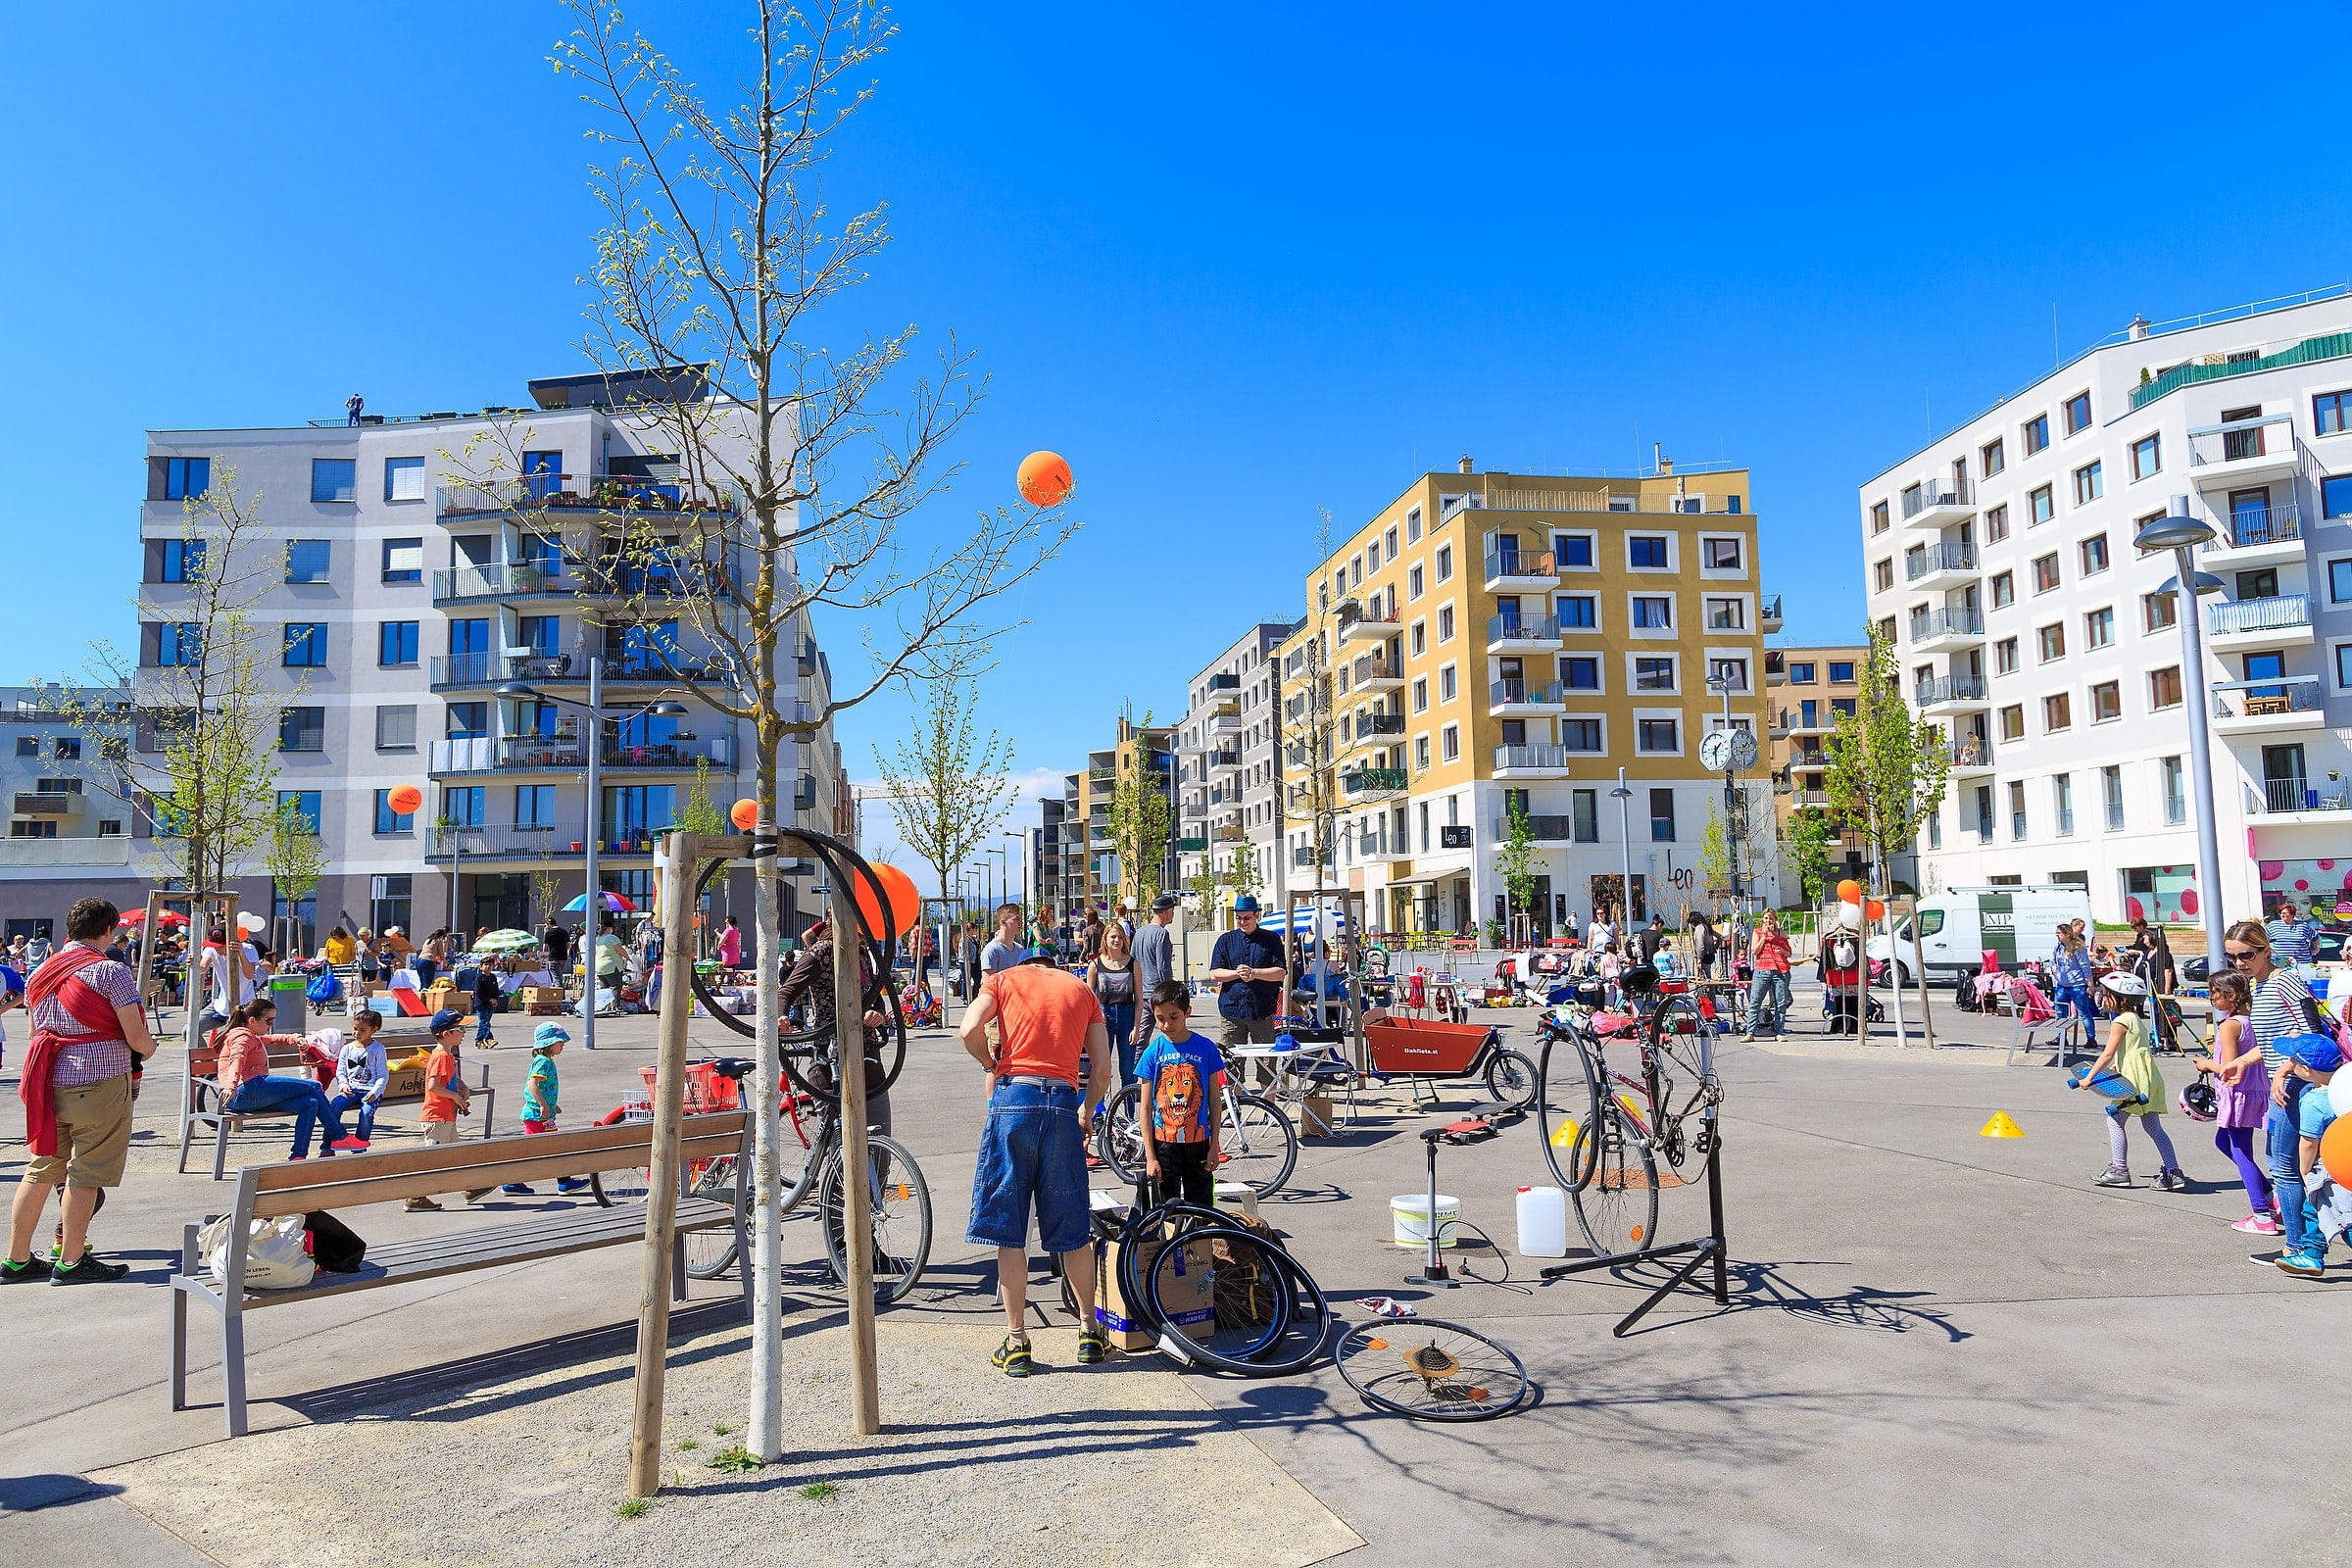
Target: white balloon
<point x="2339" y="1094"/>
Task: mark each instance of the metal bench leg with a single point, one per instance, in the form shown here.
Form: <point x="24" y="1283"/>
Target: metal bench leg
<point x="179" y="1349"/>
<point x="220" y="1147"/>
<point x="187" y="1131"/>
<point x="677" y="1265"/>
<point x="232" y="1369"/>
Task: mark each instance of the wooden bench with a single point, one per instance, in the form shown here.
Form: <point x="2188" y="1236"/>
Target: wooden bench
<point x="200" y="1099"/>
<point x="304" y="1187"/>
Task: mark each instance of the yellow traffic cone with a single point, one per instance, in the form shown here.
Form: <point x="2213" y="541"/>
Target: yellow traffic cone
<point x="2000" y="1127"/>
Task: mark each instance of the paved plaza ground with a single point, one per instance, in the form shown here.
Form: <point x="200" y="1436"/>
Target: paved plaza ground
<point x="1942" y="1348"/>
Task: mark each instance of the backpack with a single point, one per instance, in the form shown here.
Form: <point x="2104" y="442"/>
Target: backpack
<point x="334" y="1245"/>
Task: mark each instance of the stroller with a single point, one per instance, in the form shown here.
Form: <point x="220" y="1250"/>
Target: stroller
<point x="1847" y="1005"/>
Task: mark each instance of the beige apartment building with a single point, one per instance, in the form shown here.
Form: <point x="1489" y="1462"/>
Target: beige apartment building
<point x="1491" y="641"/>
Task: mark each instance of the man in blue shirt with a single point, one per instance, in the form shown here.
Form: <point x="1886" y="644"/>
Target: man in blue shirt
<point x="1249" y="970"/>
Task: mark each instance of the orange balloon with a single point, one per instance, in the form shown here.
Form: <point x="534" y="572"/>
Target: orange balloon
<point x="406" y="798"/>
<point x="1045" y="479"/>
<point x="906" y="904"/>
<point x="745" y="815"/>
<point x="1875" y="910"/>
<point x="1849" y="891"/>
<point x="2335" y="1148"/>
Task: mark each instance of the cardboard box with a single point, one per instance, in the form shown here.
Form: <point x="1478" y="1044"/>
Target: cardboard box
<point x="405" y="1083"/>
<point x="1184" y="1293"/>
<point x="1314" y="1116"/>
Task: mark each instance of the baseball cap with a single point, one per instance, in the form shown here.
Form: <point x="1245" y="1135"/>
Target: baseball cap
<point x="1165" y="901"/>
<point x="446" y="1018"/>
<point x="1246" y="904"/>
<point x="549" y="1034"/>
<point x="2314" y="1051"/>
<point x="1039" y="955"/>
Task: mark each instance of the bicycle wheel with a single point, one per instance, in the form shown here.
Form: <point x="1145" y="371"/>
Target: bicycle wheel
<point x="1618" y="1208"/>
<point x="1685" y="1085"/>
<point x="1219" y="1297"/>
<point x="628" y="1185"/>
<point x="1431" y="1370"/>
<point x="900" y="1221"/>
<point x="1563" y="1104"/>
<point x="710" y="1252"/>
<point x="1117" y="1139"/>
<point x="1510" y="1077"/>
<point x="1258" y="1144"/>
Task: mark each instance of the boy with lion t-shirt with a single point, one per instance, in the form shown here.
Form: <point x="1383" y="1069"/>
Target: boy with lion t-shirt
<point x="1182" y="1076"/>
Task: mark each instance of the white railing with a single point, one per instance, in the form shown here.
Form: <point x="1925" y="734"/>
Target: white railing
<point x="25" y="855"/>
<point x="2292" y="693"/>
<point x="1931" y="494"/>
<point x="2280" y="612"/>
<point x="1530" y="756"/>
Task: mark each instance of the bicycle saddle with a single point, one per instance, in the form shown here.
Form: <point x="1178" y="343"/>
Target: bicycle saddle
<point x="1638" y="981"/>
<point x="736" y="1067"/>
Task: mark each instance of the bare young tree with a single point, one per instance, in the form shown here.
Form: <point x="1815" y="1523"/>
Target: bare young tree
<point x="949" y="788"/>
<point x="1139" y="817"/>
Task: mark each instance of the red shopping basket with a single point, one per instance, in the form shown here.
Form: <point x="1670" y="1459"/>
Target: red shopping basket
<point x="706" y="1091"/>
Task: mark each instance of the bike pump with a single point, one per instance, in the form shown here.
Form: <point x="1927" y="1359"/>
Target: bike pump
<point x="1435" y="1272"/>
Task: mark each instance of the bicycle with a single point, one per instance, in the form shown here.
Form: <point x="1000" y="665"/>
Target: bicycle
<point x="1264" y="1315"/>
<point x="1612" y="1174"/>
<point x="1256" y="1140"/>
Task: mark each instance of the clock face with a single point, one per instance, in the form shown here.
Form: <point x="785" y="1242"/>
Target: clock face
<point x="1727" y="751"/>
<point x="1743" y="749"/>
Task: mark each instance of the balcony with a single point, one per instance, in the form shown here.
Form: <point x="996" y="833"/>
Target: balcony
<point x="1381" y="850"/>
<point x="1225" y="719"/>
<point x="2266" y="536"/>
<point x="1196" y="845"/>
<point x="1514" y="570"/>
<point x="1938" y="503"/>
<point x="1230" y="833"/>
<point x="564" y="753"/>
<point x="501" y="581"/>
<point x="1809" y="796"/>
<point x="1375" y="674"/>
<point x="1806" y="718"/>
<point x="580" y="492"/>
<point x="1374" y="784"/>
<point x="2328" y="346"/>
<point x="1509" y="634"/>
<point x="1941" y="566"/>
<point x="1531" y="762"/>
<point x="1776" y="666"/>
<point x="522" y="842"/>
<point x="1550" y="830"/>
<point x="47" y="802"/>
<point x="614" y="579"/>
<point x="1224" y="683"/>
<point x="2243" y="452"/>
<point x="1948" y="694"/>
<point x="1769" y="614"/>
<point x="1947" y="628"/>
<point x="1383" y="724"/>
<point x="32" y="855"/>
<point x="2297" y="802"/>
<point x="2270" y="706"/>
<point x="1515" y="699"/>
<point x="463" y="672"/>
<point x="2280" y="621"/>
<point x="1972" y="757"/>
<point x="1362" y="628"/>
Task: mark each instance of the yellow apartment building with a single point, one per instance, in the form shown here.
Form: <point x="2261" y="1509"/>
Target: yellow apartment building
<point x="1491" y="641"/>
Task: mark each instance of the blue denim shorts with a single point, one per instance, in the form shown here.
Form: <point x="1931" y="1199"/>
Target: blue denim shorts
<point x="1032" y="1152"/>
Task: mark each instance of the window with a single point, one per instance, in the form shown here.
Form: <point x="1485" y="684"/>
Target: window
<point x="1657" y="735"/>
<point x="1447" y="690"/>
<point x="2036" y="432"/>
<point x="1581" y="735"/>
<point x="1841" y="671"/>
<point x="2328" y="411"/>
<point x="2039" y="507"/>
<point x="1572" y="549"/>
<point x="2004" y="590"/>
<point x="1720" y="555"/>
<point x="404" y="478"/>
<point x="1662" y="816"/>
<point x="396" y="727"/>
<point x="2158" y="611"/>
<point x="2057" y="713"/>
<point x="1450" y="742"/>
<point x="305" y="804"/>
<point x="1444" y="623"/>
<point x="1581" y="674"/>
<point x="28" y="746"/>
<point x="2093" y="553"/>
<point x="2106" y="702"/>
<point x="1373" y="562"/>
<point x="1997" y="524"/>
<point x="1877" y="517"/>
<point x="1727" y="615"/>
<point x="1653" y="674"/>
<point x="1800" y="671"/>
<point x="1445" y="562"/>
<point x="2335" y="495"/>
<point x="2098" y="628"/>
<point x="1842" y="705"/>
<point x="1881" y="575"/>
<point x="2111" y="796"/>
<point x="45" y="828"/>
<point x="2004" y="657"/>
<point x="175" y="559"/>
<point x="2339" y="581"/>
<point x="2088" y="485"/>
<point x="178" y="478"/>
<point x="2013" y="722"/>
<point x="2147" y="456"/>
<point x="1421" y="695"/>
<point x="2078" y="413"/>
<point x="301" y="729"/>
<point x="2175" y="804"/>
<point x="469" y="721"/>
<point x="1579" y="611"/>
<point x="1420" y="638"/>
<point x="462" y="805"/>
<point x="1421" y="752"/>
<point x="1886" y="630"/>
<point x="388" y="821"/>
<point x="172" y="644"/>
<point x="1654" y="611"/>
<point x="2164" y="686"/>
<point x="1412" y="526"/>
<point x="2343" y="666"/>
<point x="1391" y="536"/>
<point x="2045" y="572"/>
<point x="2062" y="801"/>
<point x="335" y="479"/>
<point x="395" y="644"/>
<point x="1645" y="551"/>
<point x="1412" y="583"/>
<point x="305" y="645"/>
<point x="2049" y="642"/>
<point x="404" y="561"/>
<point x="1989" y="459"/>
<point x="1732" y="673"/>
<point x="307" y="559"/>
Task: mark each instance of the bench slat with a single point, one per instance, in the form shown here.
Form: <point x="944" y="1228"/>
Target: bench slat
<point x="586" y="1141"/>
<point x="520" y="1162"/>
<point x="522" y="1235"/>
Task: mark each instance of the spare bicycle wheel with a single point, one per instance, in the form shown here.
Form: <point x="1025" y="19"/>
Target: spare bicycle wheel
<point x="1219" y="1298"/>
<point x="1431" y="1370"/>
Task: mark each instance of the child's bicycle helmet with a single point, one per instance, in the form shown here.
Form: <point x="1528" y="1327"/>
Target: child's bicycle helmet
<point x="2198" y="1102"/>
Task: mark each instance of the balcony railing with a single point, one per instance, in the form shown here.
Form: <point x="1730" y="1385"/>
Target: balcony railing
<point x="2241" y="439"/>
<point x="2294" y="694"/>
<point x="1371" y="669"/>
<point x="1809" y="796"/>
<point x="1947" y="622"/>
<point x="1374" y="781"/>
<point x="1934" y="559"/>
<point x="1518" y="692"/>
<point x="1549" y="830"/>
<point x="1379" y="725"/>
<point x="2065" y="821"/>
<point x="2281" y="612"/>
<point x="2296" y="795"/>
<point x="46" y="802"/>
<point x="2278" y="524"/>
<point x="2115" y="816"/>
<point x="1225" y="683"/>
<point x="487" y="754"/>
<point x="1983" y="830"/>
<point x="1231" y="758"/>
<point x="605" y="492"/>
<point x="1302" y="856"/>
<point x="1970" y="750"/>
<point x="519" y="842"/>
<point x="1951" y="689"/>
<point x="2330" y="346"/>
<point x="1520" y="563"/>
<point x="2017" y="825"/>
<point x="1933" y="493"/>
<point x="1534" y="756"/>
<point x="112" y="849"/>
<point x="1514" y="629"/>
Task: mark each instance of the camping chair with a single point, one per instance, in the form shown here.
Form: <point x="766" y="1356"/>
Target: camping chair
<point x="2035" y="1013"/>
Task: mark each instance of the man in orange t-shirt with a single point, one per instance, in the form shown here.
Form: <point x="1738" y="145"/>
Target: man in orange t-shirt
<point x="1033" y="1147"/>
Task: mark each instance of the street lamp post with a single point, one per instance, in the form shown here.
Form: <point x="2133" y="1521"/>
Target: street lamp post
<point x="1731" y="815"/>
<point x="591" y="896"/>
<point x="2181" y="533"/>
<point x="1623" y="794"/>
<point x="1023" y="839"/>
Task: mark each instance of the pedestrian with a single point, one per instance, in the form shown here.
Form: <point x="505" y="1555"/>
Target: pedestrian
<point x="542" y="1102"/>
<point x="89" y="1033"/>
<point x="1120" y="917"/>
<point x="338" y="949"/>
<point x="611" y="958"/>
<point x="2241" y="1096"/>
<point x="2283" y="1009"/>
<point x="1033" y="1145"/>
<point x="1705" y="944"/>
<point x="12" y="992"/>
<point x="2292" y="938"/>
<point x="37" y="950"/>
<point x="1155" y="948"/>
<point x="352" y="406"/>
<point x="486" y="996"/>
<point x="249" y="1088"/>
<point x="2152" y="957"/>
<point x="1653" y="935"/>
<point x="556" y="939"/>
<point x="1599" y="934"/>
<point x="447" y="1095"/>
<point x="1005" y="949"/>
<point x="808" y="994"/>
<point x="730" y="945"/>
<point x="1768" y="994"/>
<point x="1090" y="937"/>
<point x="2127" y="1053"/>
<point x="1111" y="977"/>
<point x="2069" y="977"/>
<point x="362" y="1073"/>
<point x="1180" y="1102"/>
<point x="1041" y="930"/>
<point x="1249" y="968"/>
<point x="972" y="955"/>
<point x="425" y="961"/>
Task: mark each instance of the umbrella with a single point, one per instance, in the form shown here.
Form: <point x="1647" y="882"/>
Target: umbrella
<point x="509" y="941"/>
<point x="168" y="917"/>
<point x="613" y="904"/>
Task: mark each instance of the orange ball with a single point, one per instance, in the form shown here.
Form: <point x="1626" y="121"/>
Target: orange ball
<point x="1849" y="891"/>
<point x="897" y="888"/>
<point x="406" y="798"/>
<point x="1875" y="910"/>
<point x="2335" y="1148"/>
<point x="1045" y="479"/>
<point x="745" y="815"/>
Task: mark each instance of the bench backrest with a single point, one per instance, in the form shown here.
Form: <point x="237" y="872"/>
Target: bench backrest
<point x="349" y="1181"/>
<point x="203" y="1057"/>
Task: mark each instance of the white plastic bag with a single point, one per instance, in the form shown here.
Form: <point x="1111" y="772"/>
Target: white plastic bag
<point x="275" y="1258"/>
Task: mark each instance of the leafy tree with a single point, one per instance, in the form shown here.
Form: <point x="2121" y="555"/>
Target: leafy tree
<point x="1886" y="769"/>
<point x="1811" y="833"/>
<point x="948" y="787"/>
<point x="1515" y="858"/>
<point x="1241" y="872"/>
<point x="295" y="859"/>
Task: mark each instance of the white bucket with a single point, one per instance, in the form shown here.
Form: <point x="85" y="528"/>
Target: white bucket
<point x="1542" y="1222"/>
<point x="1410" y="1213"/>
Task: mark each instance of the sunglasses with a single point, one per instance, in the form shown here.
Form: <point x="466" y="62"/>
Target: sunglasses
<point x="2242" y="955"/>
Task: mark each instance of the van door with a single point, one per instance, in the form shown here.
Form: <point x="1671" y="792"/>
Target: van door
<point x="1996" y="927"/>
<point x="1935" y="938"/>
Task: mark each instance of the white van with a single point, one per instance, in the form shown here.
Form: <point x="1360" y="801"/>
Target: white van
<point x="1959" y="925"/>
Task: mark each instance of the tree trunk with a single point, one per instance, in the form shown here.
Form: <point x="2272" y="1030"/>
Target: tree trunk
<point x="766" y="1437"/>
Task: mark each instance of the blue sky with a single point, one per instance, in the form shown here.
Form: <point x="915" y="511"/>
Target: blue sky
<point x="1236" y="268"/>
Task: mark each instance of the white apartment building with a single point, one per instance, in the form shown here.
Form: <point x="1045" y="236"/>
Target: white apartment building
<point x="2000" y="560"/>
<point x="1228" y="762"/>
<point x="409" y="598"/>
<point x="69" y="819"/>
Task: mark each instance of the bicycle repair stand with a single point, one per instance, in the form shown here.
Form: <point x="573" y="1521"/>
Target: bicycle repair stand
<point x="1706" y="1248"/>
<point x="1434" y="1273"/>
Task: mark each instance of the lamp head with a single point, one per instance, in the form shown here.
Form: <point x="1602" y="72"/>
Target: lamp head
<point x="2174" y="531"/>
<point x="2204" y="582"/>
<point x="513" y="689"/>
<point x="669" y="709"/>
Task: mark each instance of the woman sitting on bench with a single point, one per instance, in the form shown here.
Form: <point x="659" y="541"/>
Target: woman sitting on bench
<point x="248" y="1088"/>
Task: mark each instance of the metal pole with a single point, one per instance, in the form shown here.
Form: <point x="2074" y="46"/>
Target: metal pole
<point x="2200" y="756"/>
<point x="591" y="896"/>
<point x="1625" y="832"/>
<point x="654" y="1278"/>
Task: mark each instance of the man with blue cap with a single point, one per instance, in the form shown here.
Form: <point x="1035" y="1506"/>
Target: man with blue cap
<point x="1250" y="969"/>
